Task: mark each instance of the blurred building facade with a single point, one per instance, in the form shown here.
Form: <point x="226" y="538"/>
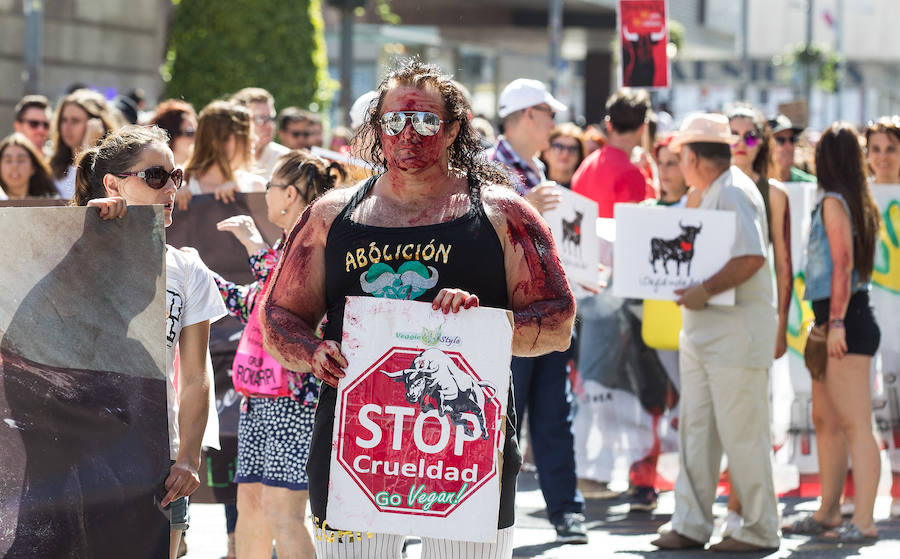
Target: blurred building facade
<point x="487" y="43"/>
<point x="109" y="45"/>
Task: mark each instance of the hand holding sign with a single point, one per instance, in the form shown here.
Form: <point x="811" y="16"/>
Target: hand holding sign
<point x="544" y="197"/>
<point x="328" y="362"/>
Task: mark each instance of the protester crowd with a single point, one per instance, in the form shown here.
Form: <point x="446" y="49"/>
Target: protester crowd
<point x="110" y="154"/>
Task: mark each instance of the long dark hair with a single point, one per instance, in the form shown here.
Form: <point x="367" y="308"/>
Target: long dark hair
<point x="464" y="154"/>
<point x="763" y="157"/>
<point x="311" y="175"/>
<point x="92" y="103"/>
<point x="841" y="168"/>
<point x="118" y="152"/>
<point x="40" y="185"/>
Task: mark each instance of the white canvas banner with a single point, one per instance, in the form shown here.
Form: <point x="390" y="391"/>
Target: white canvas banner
<point x="420" y="420"/>
<point x="573" y="226"/>
<point x="661" y="249"/>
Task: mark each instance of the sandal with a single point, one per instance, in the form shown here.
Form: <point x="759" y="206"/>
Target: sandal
<point x="807" y="526"/>
<point x="847" y="533"/>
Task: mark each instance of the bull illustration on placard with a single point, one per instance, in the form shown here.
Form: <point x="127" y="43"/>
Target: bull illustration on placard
<point x="571" y="232"/>
<point x="639" y="66"/>
<point x="433" y="373"/>
<point x="680" y="249"/>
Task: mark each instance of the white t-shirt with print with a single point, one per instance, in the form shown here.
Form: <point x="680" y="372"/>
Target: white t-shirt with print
<point x="191" y="297"/>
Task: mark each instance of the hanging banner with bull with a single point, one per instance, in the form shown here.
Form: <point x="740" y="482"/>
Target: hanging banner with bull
<point x="419" y="426"/>
<point x="644" y="38"/>
<point x="574" y="228"/>
<point x="661" y="249"/>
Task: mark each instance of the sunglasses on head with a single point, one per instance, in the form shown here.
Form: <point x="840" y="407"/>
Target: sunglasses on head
<point x="187" y="133"/>
<point x="37" y="124"/>
<point x="426" y="124"/>
<point x="780" y="140"/>
<point x="157" y="177"/>
<point x="751" y="138"/>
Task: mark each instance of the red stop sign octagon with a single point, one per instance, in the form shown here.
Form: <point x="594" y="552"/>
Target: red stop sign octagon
<point x="419" y="431"/>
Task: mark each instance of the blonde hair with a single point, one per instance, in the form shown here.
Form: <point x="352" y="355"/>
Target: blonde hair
<point x="217" y="122"/>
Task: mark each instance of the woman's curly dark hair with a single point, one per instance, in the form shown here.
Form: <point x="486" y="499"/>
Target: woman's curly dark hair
<point x="464" y="154"/>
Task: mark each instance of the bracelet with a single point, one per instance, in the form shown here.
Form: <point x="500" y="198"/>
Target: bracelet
<point x="836" y="323"/>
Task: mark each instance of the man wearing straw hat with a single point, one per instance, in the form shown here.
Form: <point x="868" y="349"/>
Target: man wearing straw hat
<point x="725" y="355"/>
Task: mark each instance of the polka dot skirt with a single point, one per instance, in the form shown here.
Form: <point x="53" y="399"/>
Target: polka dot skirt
<point x="273" y="442"/>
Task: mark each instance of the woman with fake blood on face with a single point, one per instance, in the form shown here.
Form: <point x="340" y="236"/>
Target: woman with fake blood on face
<point x="274" y="433"/>
<point x="436" y="188"/>
<point x="135" y="167"/>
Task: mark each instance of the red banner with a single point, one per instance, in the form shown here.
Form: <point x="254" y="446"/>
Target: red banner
<point x="643" y="35"/>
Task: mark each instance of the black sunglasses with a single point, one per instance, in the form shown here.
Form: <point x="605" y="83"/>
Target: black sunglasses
<point x="565" y="148"/>
<point x="37" y="124"/>
<point x="780" y="140"/>
<point x="157" y="177"/>
<point x="299" y="133"/>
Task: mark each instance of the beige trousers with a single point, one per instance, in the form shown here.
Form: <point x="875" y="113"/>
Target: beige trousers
<point x="724" y="409"/>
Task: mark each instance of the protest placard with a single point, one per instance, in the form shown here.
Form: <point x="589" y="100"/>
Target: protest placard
<point x="659" y="250"/>
<point x="84" y="440"/>
<point x="419" y="425"/>
<point x="643" y="38"/>
<point x="574" y="230"/>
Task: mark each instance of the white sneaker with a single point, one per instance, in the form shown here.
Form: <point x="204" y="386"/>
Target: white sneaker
<point x="731" y="524"/>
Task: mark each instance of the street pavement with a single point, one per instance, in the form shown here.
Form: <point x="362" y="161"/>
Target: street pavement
<point x="614" y="532"/>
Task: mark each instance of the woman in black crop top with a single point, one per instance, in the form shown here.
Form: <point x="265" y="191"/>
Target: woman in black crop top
<point x="436" y="188"/>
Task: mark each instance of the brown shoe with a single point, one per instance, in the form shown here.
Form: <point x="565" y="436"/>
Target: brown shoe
<point x="674" y="540"/>
<point x="731" y="545"/>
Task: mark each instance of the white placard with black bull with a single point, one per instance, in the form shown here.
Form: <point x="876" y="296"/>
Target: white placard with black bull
<point x="661" y="249"/>
<point x="419" y="424"/>
<point x="574" y="230"/>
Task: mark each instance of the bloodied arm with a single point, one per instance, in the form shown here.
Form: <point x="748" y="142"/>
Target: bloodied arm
<point x="295" y="301"/>
<point x="539" y="294"/>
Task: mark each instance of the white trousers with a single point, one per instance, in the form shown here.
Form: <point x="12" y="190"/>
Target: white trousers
<point x="389" y="546"/>
<point x="724" y="409"/>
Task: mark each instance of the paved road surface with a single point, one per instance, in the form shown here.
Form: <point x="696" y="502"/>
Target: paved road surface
<point x="613" y="532"/>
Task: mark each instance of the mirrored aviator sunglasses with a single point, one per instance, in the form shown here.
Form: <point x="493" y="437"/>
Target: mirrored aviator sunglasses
<point x="426" y="124"/>
<point x="157" y="177"/>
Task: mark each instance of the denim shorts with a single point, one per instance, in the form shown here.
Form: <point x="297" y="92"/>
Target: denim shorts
<point x="177" y="511"/>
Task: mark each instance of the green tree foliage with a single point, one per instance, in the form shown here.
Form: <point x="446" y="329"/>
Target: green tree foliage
<point x="216" y="47"/>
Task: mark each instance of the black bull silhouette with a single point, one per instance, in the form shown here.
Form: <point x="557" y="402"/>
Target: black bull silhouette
<point x="679" y="249"/>
<point x="433" y="373"/>
<point x="640" y="65"/>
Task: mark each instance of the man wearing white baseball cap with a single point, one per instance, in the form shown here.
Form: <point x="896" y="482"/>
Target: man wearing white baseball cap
<point x="527" y="112"/>
<point x="540" y="383"/>
<point x="725" y="353"/>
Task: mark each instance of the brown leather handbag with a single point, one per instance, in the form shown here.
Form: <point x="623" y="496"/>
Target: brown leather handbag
<point x="815" y="354"/>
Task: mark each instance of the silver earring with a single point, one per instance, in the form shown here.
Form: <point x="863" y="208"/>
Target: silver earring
<point x="283" y="212"/>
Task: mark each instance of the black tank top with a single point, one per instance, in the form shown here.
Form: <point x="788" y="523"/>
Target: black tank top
<point x="412" y="263"/>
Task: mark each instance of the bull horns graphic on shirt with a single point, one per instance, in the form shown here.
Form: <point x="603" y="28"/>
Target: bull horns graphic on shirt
<point x="410" y="281"/>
